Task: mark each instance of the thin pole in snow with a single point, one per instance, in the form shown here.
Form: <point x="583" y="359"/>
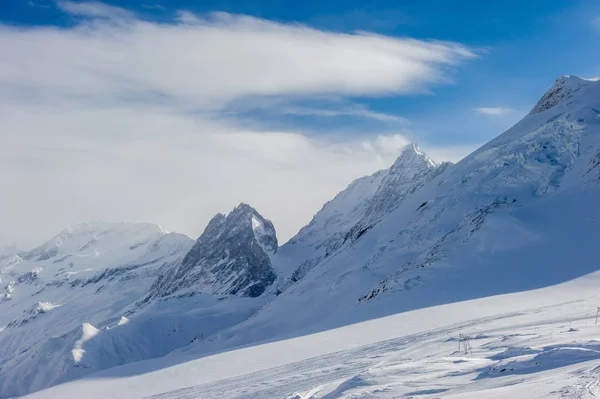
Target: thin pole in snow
<point x="464" y="339"/>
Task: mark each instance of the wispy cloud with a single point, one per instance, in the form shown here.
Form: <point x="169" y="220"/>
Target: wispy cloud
<point x="93" y="9"/>
<point x="154" y="7"/>
<point x="34" y="4"/>
<point x="353" y="110"/>
<point x="135" y="120"/>
<point x="452" y="153"/>
<point x="494" y="111"/>
<point x="364" y="19"/>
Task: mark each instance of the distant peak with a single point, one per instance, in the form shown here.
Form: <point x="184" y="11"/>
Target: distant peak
<point x="241" y="212"/>
<point x="104" y="226"/>
<point x="410" y="148"/>
<point x="412" y="155"/>
<point x="243" y="208"/>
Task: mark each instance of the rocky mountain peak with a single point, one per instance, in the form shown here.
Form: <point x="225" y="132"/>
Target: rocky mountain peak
<point x="232" y="256"/>
<point x="562" y="89"/>
<point x="412" y="156"/>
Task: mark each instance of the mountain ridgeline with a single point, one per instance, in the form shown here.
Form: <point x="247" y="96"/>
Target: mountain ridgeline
<point x="518" y="213"/>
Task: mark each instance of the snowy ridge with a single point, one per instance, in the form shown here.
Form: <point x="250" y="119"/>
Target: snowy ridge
<point x="562" y="90"/>
<point x="355" y="211"/>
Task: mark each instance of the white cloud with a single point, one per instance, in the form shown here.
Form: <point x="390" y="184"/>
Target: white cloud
<point x="494" y="110"/>
<point x="69" y="165"/>
<point x="93" y="9"/>
<point x="34" y="4"/>
<point x="208" y="62"/>
<point x="123" y="120"/>
<point x="355" y="110"/>
<point x="450" y="153"/>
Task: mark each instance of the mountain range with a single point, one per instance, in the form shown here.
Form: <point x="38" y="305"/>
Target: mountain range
<point x="519" y="213"/>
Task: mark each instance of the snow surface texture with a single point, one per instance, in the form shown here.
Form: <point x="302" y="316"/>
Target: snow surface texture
<point x="368" y="300"/>
<point x="537" y="344"/>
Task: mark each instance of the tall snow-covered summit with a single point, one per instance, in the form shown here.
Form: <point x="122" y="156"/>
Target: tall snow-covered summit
<point x="232" y="256"/>
<point x="354" y="211"/>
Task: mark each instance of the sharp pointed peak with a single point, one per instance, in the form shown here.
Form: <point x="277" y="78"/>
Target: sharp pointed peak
<point x="411" y="154"/>
<point x="244" y="207"/>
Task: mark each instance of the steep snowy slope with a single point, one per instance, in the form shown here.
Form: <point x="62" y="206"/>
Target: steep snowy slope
<point x="353" y="212"/>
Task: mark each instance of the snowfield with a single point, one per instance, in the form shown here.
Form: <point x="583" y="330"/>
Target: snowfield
<point x="536" y="344"/>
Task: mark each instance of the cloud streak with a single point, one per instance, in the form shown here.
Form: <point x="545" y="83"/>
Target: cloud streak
<point x="494" y="111"/>
<point x="354" y="110"/>
<point x="120" y="118"/>
<point x="207" y="62"/>
<point x="93" y="10"/>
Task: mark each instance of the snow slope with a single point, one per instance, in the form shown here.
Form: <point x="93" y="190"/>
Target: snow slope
<point x="535" y="344"/>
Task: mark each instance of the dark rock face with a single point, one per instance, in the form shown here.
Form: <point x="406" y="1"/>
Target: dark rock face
<point x="563" y="89"/>
<point x="230" y="257"/>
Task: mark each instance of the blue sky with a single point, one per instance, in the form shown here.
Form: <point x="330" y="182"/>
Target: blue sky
<point x="282" y="99"/>
<point x="522" y="47"/>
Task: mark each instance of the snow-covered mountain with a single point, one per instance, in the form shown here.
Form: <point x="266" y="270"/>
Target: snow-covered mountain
<point x="86" y="275"/>
<point x="232" y="256"/>
<point x="519" y="213"/>
<point x="355" y="211"/>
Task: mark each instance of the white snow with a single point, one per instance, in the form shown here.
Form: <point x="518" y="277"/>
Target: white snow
<point x="256" y="224"/>
<point x="88" y="332"/>
<point x="534" y="344"/>
<point x="43" y="307"/>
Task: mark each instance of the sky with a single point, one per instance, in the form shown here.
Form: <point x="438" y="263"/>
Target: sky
<point x="170" y="112"/>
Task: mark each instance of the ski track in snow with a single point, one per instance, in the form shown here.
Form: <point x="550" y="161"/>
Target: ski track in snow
<point x="284" y="381"/>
